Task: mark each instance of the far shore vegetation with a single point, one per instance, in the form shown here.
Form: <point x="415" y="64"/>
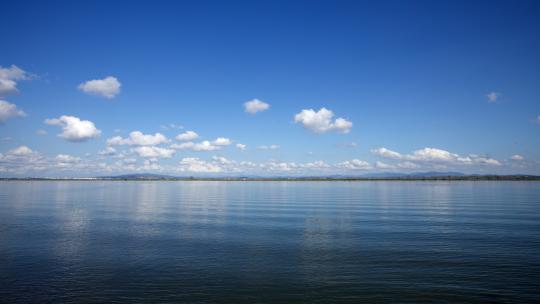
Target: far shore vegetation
<point x="312" y="178"/>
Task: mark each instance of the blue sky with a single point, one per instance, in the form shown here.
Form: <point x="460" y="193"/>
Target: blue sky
<point x="405" y="86"/>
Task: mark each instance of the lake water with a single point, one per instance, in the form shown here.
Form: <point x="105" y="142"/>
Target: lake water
<point x="269" y="242"/>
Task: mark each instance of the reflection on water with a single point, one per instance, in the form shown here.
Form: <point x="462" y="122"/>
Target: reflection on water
<point x="284" y="242"/>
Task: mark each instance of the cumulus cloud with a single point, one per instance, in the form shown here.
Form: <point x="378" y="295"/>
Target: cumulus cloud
<point x="241" y="147"/>
<point x="21" y="159"/>
<point x="517" y="157"/>
<point x="270" y="147"/>
<point x="205" y="145"/>
<point x="222" y="164"/>
<point x="202" y="146"/>
<point x="21" y="151"/>
<point x="222" y="141"/>
<point x="355" y="164"/>
<point x="485" y="161"/>
<point x="386" y="153"/>
<point x="137" y="138"/>
<point x="9" y="110"/>
<point x="435" y="155"/>
<point x="255" y="105"/>
<point x="292" y="167"/>
<point x="151" y="151"/>
<point x="66" y="158"/>
<point x="108" y="151"/>
<point x="187" y="136"/>
<point x="315" y="165"/>
<point x="194" y="164"/>
<point x="74" y="129"/>
<point x="321" y="121"/>
<point x="493" y="96"/>
<point x="278" y="166"/>
<point x="9" y="77"/>
<point x="107" y="87"/>
<point x="41" y="132"/>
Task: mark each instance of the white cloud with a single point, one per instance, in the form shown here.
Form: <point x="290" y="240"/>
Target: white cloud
<point x="108" y="151"/>
<point x="386" y="153"/>
<point x="486" y="161"/>
<point x="74" y="129"/>
<point x="436" y="156"/>
<point x="137" y="138"/>
<point x="202" y="146"/>
<point x="41" y="132"/>
<point x="9" y="77"/>
<point x="241" y="147"/>
<point x="151" y="151"/>
<point x="20" y="160"/>
<point x="315" y="165"/>
<point x="107" y="87"/>
<point x="355" y="164"/>
<point x="151" y="165"/>
<point x="194" y="164"/>
<point x="270" y="147"/>
<point x="384" y="166"/>
<point x="493" y="96"/>
<point x="21" y="151"/>
<point x="205" y="145"/>
<point x="222" y="160"/>
<point x="433" y="154"/>
<point x="9" y="110"/>
<point x="187" y="136"/>
<point x="65" y="158"/>
<point x="538" y="119"/>
<point x="517" y="157"/>
<point x="279" y="166"/>
<point x="222" y="141"/>
<point x="255" y="105"/>
<point x="321" y="121"/>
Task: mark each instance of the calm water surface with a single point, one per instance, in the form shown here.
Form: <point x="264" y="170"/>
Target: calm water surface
<point x="270" y="242"/>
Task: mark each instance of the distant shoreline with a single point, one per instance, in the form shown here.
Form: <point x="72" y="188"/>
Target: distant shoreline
<point x="296" y="179"/>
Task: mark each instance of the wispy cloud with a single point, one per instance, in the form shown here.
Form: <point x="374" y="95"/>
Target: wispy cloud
<point x="493" y="96"/>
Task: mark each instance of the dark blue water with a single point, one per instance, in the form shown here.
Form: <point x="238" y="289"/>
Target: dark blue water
<point x="270" y="242"/>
